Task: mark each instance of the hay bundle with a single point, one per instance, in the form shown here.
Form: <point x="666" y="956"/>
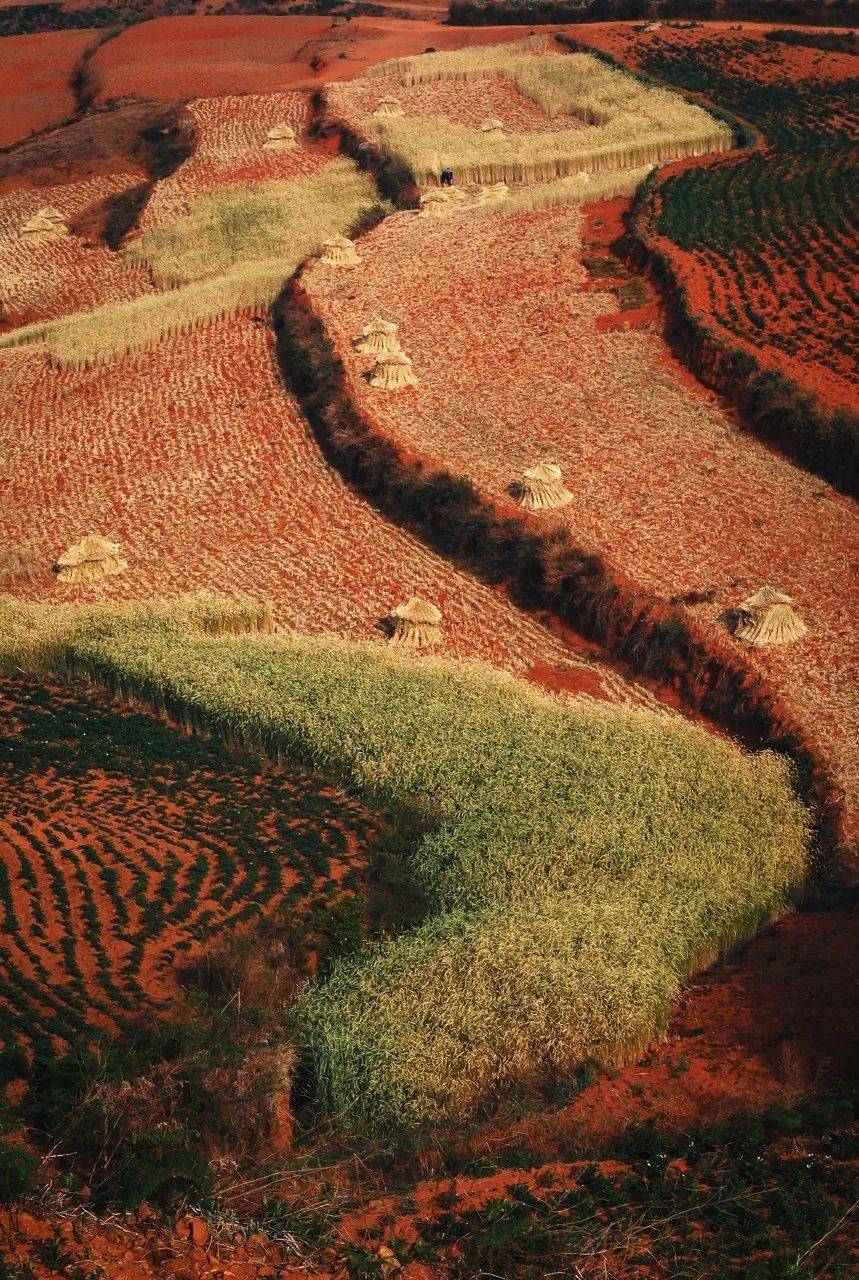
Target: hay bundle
<point x="493" y="128"/>
<point x="455" y="195"/>
<point x="90" y="560"/>
<point x="435" y="204"/>
<point x="416" y="624"/>
<point x="47" y="224"/>
<point x="280" y="138"/>
<point x="767" y="617"/>
<point x="542" y="488"/>
<point x="495" y="192"/>
<point x="389" y="106"/>
<point x="339" y="252"/>
<point x="393" y="371"/>
<point x="377" y="338"/>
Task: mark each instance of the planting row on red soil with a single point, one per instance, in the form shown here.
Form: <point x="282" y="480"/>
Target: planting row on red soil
<point x="764" y="249"/>
<point x="123" y="845"/>
<point x="194" y="457"/>
<point x="516" y="363"/>
<point x="35" y="80"/>
<point x="71" y="273"/>
<point x="230" y="134"/>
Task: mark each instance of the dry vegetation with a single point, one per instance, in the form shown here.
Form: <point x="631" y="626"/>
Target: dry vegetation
<point x="238" y="246"/>
<point x="628" y="124"/>
<point x="577" y="860"/>
<point x="699" y="508"/>
<point x="69" y="274"/>
<point x="210" y="479"/>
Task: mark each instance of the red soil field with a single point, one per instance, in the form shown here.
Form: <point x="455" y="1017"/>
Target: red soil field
<point x="662" y="481"/>
<point x="207" y="56"/>
<point x="210" y="478"/>
<point x="124" y="846"/>
<point x="788" y="295"/>
<point x="35" y="74"/>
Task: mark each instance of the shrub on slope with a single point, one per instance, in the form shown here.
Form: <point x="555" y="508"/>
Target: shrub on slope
<point x="580" y="859"/>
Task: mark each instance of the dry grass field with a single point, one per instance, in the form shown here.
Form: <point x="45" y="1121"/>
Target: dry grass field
<point x="662" y="481"/>
<point x="211" y="480"/>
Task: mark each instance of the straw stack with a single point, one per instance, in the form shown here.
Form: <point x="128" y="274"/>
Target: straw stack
<point x="388" y="107"/>
<point x="494" y="193"/>
<point x="767" y="617"/>
<point x="90" y="560"/>
<point x="416" y="624"/>
<point x="339" y="252"/>
<point x="435" y="204"/>
<point x="280" y="138"/>
<point x="47" y="224"/>
<point x="493" y="129"/>
<point x="542" y="488"/>
<point x="379" y="337"/>
<point x="393" y="372"/>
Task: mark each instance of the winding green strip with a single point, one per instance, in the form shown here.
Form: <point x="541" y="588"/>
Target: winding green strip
<point x="580" y="858"/>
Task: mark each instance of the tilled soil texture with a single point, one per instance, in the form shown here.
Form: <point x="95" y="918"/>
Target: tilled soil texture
<point x="195" y="458"/>
<point x="36" y="80"/>
<point x="764" y="247"/>
<point x="517" y="361"/>
<point x="126" y="845"/>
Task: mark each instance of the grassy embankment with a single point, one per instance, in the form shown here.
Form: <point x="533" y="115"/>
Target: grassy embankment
<point x="579" y="859"/>
<point x="231" y="253"/>
<point x="630" y="124"/>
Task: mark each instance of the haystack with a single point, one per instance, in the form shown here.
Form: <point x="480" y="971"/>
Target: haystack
<point x="435" y="204"/>
<point x="388" y="107"/>
<point x="493" y="129"/>
<point x="280" y="138"/>
<point x="393" y="371"/>
<point x="493" y="193"/>
<point x="377" y="338"/>
<point x="767" y="617"/>
<point x="47" y="224"/>
<point x="416" y="624"/>
<point x="339" y="252"/>
<point x="89" y="560"/>
<point x="542" y="488"/>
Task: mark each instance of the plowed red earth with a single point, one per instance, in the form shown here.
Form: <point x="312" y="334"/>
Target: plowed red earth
<point x="205" y="56"/>
<point x="662" y="481"/>
<point x="35" y="75"/>
<point x="124" y="846"/>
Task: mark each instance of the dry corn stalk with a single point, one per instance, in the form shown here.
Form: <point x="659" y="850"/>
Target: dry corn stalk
<point x="416" y="624"/>
<point x="90" y="560"/>
<point x="393" y="371"/>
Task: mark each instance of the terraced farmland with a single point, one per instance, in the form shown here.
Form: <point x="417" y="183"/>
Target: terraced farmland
<point x="662" y="481"/>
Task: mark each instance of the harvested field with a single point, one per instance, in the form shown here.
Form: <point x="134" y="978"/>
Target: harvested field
<point x="662" y="481"/>
<point x="36" y="80"/>
<point x="228" y="149"/>
<point x="211" y="480"/>
<point x="70" y="274"/>
<point x="125" y="846"/>
<point x="628" y="123"/>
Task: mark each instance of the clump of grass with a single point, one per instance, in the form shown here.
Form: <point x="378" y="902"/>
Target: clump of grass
<point x="231" y="253"/>
<point x="577" y="860"/>
<point x="631" y="124"/>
